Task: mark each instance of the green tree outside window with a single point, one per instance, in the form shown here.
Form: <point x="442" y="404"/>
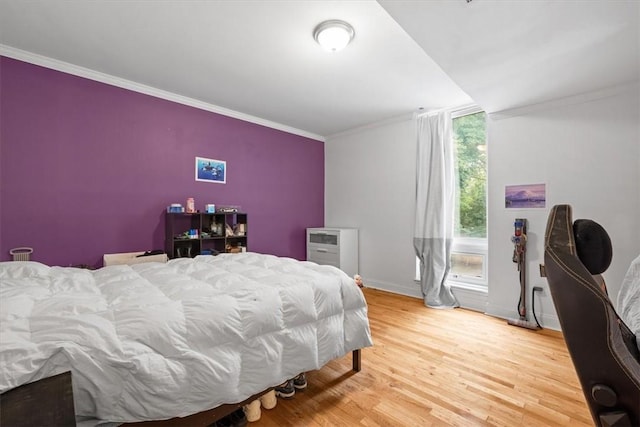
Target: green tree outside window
<point x="469" y="133"/>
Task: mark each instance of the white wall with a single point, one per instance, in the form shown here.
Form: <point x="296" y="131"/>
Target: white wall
<point x="586" y="150"/>
<point x="370" y="185"/>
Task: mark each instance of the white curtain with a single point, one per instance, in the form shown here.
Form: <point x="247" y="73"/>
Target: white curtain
<point x="433" y="233"/>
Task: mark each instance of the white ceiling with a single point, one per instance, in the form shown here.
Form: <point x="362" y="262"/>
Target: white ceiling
<point x="259" y="58"/>
<point x="508" y="54"/>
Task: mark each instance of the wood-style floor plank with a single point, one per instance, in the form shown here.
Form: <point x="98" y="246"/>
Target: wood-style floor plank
<point x="441" y="367"/>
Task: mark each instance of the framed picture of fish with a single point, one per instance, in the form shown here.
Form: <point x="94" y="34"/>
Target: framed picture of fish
<point x="211" y="170"/>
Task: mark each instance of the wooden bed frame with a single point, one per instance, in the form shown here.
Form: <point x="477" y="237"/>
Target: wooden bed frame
<point x="50" y="402"/>
<point x="206" y="418"/>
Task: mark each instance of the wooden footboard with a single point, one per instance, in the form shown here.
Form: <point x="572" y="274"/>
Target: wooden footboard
<point x="47" y="402"/>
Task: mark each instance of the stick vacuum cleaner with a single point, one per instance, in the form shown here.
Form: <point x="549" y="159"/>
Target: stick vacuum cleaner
<point x="519" y="240"/>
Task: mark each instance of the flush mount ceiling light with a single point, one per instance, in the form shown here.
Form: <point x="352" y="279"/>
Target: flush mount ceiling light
<point x="333" y="35"/>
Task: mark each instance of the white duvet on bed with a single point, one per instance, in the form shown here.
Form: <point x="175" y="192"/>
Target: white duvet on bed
<point x="156" y="341"/>
<point x="629" y="299"/>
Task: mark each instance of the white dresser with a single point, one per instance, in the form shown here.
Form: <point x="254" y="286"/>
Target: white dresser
<point x="334" y="246"/>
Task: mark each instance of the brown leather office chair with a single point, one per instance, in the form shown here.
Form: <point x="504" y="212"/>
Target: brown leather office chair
<point x="602" y="348"/>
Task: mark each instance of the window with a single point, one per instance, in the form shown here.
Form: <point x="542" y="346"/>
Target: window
<point x="469" y="249"/>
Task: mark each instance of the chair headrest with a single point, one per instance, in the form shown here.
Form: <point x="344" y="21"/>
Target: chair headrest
<point x="593" y="245"/>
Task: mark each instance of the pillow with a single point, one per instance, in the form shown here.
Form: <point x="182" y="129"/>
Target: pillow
<point x="593" y="245"/>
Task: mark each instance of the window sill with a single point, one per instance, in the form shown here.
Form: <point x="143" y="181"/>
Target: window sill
<point x="469" y="286"/>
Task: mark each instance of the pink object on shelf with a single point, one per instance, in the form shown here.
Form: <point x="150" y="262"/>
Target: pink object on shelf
<point x="191" y="205"/>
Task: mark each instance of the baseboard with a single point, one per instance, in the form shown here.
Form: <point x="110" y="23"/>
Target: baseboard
<point x="414" y="292"/>
<point x="471" y="299"/>
<point x="547" y="321"/>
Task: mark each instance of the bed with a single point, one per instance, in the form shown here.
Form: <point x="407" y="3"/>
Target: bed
<point x="629" y="299"/>
<point x="156" y="341"/>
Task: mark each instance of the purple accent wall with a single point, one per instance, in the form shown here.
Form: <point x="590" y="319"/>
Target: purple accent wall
<point x="87" y="168"/>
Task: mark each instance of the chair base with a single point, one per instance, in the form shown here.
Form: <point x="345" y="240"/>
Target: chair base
<point x="615" y="419"/>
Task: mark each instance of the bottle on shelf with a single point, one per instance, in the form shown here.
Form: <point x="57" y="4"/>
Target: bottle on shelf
<point x="191" y="205"/>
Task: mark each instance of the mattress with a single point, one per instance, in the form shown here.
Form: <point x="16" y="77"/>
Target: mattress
<point x="155" y="341"/>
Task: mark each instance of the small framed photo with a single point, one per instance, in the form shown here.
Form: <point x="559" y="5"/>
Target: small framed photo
<point x="211" y="170"/>
<point x="525" y="196"/>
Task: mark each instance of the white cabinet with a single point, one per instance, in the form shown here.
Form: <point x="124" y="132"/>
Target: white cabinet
<point x="334" y="246"/>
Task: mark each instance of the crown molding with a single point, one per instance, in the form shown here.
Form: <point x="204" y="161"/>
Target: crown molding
<point x="369" y="126"/>
<point x="98" y="76"/>
<point x="567" y="101"/>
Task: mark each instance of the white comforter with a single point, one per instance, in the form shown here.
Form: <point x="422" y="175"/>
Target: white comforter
<point x="155" y="341"/>
<point x="629" y="299"/>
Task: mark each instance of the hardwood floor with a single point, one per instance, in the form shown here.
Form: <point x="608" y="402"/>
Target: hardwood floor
<point x="441" y="367"/>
